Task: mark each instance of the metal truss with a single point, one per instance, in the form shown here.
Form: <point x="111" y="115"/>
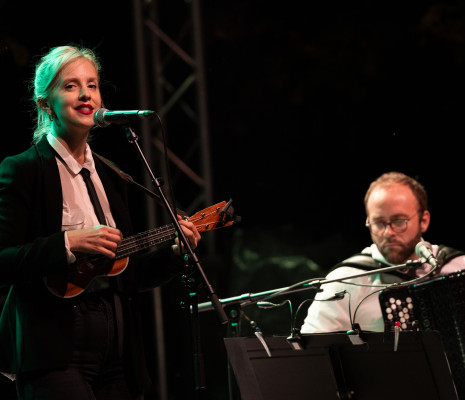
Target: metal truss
<point x="171" y="81"/>
<point x="171" y="75"/>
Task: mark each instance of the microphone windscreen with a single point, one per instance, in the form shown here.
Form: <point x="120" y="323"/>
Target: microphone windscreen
<point x="421" y="247"/>
<point x="99" y="118"/>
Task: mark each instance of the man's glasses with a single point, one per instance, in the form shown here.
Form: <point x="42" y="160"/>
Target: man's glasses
<point x="397" y="225"/>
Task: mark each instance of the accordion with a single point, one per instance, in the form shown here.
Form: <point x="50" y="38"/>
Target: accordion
<point x="437" y="304"/>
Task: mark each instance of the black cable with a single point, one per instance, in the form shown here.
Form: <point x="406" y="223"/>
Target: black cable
<point x="359" y="304"/>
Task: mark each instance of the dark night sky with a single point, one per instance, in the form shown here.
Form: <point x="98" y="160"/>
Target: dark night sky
<point x="307" y="105"/>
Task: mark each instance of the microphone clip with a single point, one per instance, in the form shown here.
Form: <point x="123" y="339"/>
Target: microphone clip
<point x="355" y="335"/>
<point x="295" y="339"/>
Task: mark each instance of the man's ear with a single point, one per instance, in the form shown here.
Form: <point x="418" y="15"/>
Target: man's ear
<point x="424" y="221"/>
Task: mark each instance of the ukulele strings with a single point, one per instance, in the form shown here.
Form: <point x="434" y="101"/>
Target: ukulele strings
<point x="146" y="239"/>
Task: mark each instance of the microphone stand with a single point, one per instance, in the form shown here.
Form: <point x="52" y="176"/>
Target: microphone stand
<point x="189" y="281"/>
<point x="250" y="298"/>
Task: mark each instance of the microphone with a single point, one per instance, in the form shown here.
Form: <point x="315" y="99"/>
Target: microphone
<point x="104" y="117"/>
<point x="425" y="250"/>
<point x="267" y="304"/>
<point x="338" y="295"/>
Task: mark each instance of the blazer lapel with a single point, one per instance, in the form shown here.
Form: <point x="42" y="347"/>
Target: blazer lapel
<point x="51" y="184"/>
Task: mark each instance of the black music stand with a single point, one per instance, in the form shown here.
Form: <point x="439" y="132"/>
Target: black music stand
<point x="329" y="366"/>
<point x="435" y="305"/>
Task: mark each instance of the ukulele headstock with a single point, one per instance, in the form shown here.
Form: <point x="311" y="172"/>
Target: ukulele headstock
<point x="216" y="216"/>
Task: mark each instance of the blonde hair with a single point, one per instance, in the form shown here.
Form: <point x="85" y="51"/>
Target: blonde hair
<point x="46" y="75"/>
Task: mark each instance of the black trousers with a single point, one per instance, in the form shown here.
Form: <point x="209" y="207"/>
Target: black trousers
<point x="96" y="370"/>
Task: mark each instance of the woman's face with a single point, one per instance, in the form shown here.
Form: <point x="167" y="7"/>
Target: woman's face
<point x="75" y="98"/>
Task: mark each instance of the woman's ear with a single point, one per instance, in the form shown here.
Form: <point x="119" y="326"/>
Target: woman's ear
<point x="42" y="103"/>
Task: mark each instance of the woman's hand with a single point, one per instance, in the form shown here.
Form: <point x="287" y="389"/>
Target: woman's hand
<point x="190" y="232"/>
<point x="99" y="239"/>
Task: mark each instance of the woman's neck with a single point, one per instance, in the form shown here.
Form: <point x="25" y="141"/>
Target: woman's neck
<point x="75" y="144"/>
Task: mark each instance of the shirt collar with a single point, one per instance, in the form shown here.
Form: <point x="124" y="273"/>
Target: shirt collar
<point x="68" y="160"/>
<point x="376" y="254"/>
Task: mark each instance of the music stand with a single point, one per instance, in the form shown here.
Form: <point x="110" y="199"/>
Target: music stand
<point x="329" y="366"/>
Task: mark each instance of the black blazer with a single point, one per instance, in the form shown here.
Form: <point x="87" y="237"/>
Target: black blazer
<point x="35" y="325"/>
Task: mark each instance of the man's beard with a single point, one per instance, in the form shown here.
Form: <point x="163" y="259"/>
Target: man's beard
<point x="400" y="256"/>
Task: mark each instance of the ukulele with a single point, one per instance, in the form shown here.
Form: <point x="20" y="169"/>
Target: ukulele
<point x="89" y="266"/>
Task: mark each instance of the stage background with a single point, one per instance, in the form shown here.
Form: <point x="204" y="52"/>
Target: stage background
<point x="307" y="105"/>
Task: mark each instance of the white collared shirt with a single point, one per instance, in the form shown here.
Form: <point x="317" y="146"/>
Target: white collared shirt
<point x="78" y="211"/>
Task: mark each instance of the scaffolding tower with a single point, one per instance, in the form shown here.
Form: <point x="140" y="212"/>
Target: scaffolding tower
<point x="171" y="81"/>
